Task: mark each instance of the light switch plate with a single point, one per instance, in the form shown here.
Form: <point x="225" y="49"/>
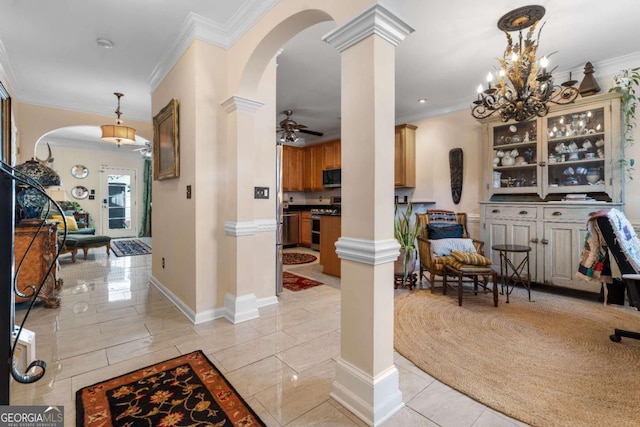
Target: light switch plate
<point x="261" y="192"/>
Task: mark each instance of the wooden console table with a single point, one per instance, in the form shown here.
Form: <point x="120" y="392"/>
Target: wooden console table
<point x="37" y="262"/>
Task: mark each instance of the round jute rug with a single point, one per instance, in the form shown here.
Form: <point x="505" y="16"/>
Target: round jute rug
<point x="290" y="258"/>
<point x="546" y="363"/>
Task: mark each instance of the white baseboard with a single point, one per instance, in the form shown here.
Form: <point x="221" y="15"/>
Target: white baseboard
<point x="372" y="399"/>
<point x="235" y="310"/>
<point x="241" y="308"/>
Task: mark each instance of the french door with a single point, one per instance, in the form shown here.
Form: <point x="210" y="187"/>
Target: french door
<point x="119" y="207"/>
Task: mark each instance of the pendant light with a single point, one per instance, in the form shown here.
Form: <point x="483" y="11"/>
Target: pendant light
<point x="118" y="134"/>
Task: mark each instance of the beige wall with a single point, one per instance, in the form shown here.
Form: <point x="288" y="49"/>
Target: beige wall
<point x="34" y="121"/>
<point x="66" y="157"/>
<point x="435" y="137"/>
<point x="174" y="219"/>
<point x="197" y="252"/>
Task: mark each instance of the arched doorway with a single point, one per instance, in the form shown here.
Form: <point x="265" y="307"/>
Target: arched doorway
<point x="96" y="190"/>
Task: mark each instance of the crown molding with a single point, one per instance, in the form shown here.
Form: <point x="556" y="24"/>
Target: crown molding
<point x="234" y="103"/>
<point x="5" y="67"/>
<point x="375" y="20"/>
<point x="222" y="35"/>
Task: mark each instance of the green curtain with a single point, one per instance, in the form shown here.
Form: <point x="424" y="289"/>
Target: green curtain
<point x="145" y="222"/>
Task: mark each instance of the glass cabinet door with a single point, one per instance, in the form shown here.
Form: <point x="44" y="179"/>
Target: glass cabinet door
<point x="514" y="157"/>
<point x="576" y="148"/>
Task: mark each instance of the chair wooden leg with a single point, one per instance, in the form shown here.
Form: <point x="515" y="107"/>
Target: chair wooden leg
<point x="460" y="290"/>
<point x="432" y="278"/>
<point x="495" y="289"/>
<point x="444" y="283"/>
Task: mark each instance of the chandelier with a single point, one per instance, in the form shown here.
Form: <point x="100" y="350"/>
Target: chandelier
<point x="118" y="134"/>
<point x="524" y="85"/>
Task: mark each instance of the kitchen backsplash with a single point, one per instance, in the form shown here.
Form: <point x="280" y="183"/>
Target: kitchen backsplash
<point x="324" y="197"/>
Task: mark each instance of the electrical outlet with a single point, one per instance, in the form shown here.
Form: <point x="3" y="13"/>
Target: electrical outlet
<point x="188" y="191"/>
<point x="162" y="262"/>
<point x="261" y="192"/>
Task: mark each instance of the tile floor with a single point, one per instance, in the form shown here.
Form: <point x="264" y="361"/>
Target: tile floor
<point x="112" y="321"/>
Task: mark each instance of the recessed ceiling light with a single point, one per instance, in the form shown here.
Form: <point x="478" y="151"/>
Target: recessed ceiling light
<point x="107" y="44"/>
<point x="422" y="100"/>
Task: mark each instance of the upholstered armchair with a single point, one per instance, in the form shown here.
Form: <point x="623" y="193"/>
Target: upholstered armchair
<point x="441" y="224"/>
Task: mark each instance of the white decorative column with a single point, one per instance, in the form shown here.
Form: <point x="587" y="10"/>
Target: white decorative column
<point x="366" y="378"/>
<point x="239" y="302"/>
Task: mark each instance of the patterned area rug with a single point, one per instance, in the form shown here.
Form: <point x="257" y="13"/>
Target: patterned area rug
<point x="130" y="247"/>
<point x="290" y="258"/>
<point x="187" y="390"/>
<point x="295" y="283"/>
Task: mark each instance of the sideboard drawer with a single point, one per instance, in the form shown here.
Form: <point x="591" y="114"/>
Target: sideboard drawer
<point x="501" y="211"/>
<point x="569" y="214"/>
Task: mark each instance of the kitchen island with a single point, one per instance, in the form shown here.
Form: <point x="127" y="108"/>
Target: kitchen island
<point x="330" y="230"/>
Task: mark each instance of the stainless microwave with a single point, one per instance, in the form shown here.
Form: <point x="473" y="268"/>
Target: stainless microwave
<point x="331" y="178"/>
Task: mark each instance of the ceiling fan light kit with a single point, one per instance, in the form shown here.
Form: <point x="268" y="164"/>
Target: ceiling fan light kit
<point x="289" y="127"/>
<point x="525" y="86"/>
<point x="119" y="133"/>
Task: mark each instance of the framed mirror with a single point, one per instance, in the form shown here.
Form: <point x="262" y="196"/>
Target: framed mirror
<point x="79" y="192"/>
<point x="79" y="171"/>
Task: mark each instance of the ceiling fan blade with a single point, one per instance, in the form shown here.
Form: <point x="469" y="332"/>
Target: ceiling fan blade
<point x="310" y="132"/>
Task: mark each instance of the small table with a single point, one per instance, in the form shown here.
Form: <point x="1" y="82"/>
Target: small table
<point x="472" y="271"/>
<point x="517" y="273"/>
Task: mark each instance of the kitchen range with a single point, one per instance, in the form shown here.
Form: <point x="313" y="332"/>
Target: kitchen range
<point x="315" y="224"/>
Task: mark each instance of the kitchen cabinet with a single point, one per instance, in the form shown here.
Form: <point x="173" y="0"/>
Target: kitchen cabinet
<point x="330" y="231"/>
<point x="38" y="259"/>
<point x="571" y="150"/>
<point x="555" y="231"/>
<point x="405" y="156"/>
<point x="331" y="155"/>
<point x="312" y="173"/>
<point x="305" y="228"/>
<point x="292" y="166"/>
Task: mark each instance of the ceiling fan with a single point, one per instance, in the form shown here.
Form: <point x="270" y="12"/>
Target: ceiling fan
<point x="146" y="151"/>
<point x="289" y="127"/>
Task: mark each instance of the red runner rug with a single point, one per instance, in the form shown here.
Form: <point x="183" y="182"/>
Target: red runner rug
<point x="185" y="391"/>
<point x="295" y="283"/>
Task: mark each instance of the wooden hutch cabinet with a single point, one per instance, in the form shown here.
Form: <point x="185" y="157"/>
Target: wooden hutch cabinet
<point x="35" y="266"/>
<point x="544" y="178"/>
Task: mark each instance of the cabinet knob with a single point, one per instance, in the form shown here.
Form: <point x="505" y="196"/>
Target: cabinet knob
<point x="543" y="164"/>
<point x="535" y="240"/>
<point x="556" y="213"/>
<point x="544" y="241"/>
<point x="495" y="211"/>
<point x="523" y="212"/>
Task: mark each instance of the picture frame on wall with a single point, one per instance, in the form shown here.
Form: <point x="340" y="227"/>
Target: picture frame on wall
<point x="166" y="144"/>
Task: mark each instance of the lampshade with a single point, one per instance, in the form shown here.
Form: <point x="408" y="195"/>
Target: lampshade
<point x="32" y="200"/>
<point x="39" y="172"/>
<point x="59" y="195"/>
<point x="119" y="133"/>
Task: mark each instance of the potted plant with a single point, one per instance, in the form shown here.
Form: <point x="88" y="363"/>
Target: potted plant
<point x="624" y="83"/>
<point x="405" y="231"/>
